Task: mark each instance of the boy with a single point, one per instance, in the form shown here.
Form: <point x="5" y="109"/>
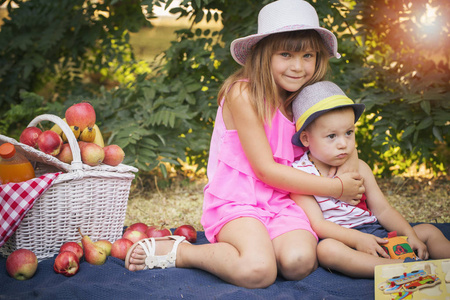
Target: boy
<point x="351" y="234"/>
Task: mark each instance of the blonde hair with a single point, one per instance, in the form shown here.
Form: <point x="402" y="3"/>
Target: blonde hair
<point x="257" y="69"/>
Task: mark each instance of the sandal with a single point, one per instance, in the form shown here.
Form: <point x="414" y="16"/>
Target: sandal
<point x="157" y="261"/>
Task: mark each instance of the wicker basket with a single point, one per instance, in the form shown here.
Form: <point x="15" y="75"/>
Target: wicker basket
<point x="91" y="198"/>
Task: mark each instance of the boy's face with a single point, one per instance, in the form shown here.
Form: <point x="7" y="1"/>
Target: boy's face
<point x="331" y="137"/>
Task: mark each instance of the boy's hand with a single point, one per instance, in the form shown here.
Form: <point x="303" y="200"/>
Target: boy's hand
<point x="353" y="188"/>
<point x="419" y="247"/>
<point x="370" y="244"/>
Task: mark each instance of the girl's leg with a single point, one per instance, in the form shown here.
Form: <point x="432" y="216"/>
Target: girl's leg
<point x="437" y="244"/>
<point x="296" y="254"/>
<point x="337" y="256"/>
<point x="244" y="255"/>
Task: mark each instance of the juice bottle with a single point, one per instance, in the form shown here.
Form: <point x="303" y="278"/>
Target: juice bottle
<point x="14" y="167"/>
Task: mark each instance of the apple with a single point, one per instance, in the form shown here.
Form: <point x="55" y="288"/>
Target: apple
<point x="138" y="227"/>
<point x="81" y="115"/>
<point x="105" y="245"/>
<point x="66" y="263"/>
<point x="50" y="142"/>
<point x="21" y="264"/>
<point x="120" y="248"/>
<point x="114" y="155"/>
<point x="134" y="235"/>
<point x="73" y="247"/>
<point x="188" y="232"/>
<point x="29" y="136"/>
<point x="65" y="155"/>
<point x="91" y="154"/>
<point x="153" y="231"/>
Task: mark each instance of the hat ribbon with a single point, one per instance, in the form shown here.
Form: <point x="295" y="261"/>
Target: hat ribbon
<point x="325" y="104"/>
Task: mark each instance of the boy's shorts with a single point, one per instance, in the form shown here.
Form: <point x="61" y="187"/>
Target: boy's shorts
<point x="373" y="228"/>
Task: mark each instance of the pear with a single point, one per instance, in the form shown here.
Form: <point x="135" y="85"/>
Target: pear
<point x="93" y="254"/>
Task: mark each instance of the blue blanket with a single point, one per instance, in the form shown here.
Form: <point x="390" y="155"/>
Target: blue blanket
<point x="113" y="281"/>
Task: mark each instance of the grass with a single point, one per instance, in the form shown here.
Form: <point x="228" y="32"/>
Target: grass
<point x="418" y="200"/>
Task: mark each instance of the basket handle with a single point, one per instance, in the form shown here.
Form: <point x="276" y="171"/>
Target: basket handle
<point x="76" y="162"/>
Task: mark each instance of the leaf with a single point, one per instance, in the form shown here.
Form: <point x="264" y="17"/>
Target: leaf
<point x="425" y="123"/>
<point x="437" y="133"/>
<point x="163" y="169"/>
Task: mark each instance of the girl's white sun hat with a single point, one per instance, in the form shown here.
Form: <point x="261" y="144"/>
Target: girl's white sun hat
<point x="283" y="16"/>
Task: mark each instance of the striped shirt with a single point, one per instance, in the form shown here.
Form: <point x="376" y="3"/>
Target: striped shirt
<point x="334" y="210"/>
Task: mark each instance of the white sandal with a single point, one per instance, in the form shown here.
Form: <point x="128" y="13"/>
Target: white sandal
<point x="157" y="261"/>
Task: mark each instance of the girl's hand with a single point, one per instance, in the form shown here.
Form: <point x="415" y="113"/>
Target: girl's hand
<point x="370" y="244"/>
<point x="419" y="247"/>
<point x="352" y="188"/>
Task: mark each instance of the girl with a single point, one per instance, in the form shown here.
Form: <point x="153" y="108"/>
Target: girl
<point x="256" y="231"/>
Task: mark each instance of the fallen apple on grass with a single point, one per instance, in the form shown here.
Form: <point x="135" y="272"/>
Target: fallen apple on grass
<point x="21" y="264"/>
<point x="50" y="142"/>
<point x="134" y="235"/>
<point x="154" y="231"/>
<point x="142" y="227"/>
<point x="66" y="263"/>
<point x="188" y="232"/>
<point x="120" y="248"/>
<point x="72" y="247"/>
<point x="29" y="136"/>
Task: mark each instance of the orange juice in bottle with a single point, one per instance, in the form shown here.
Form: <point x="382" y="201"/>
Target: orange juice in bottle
<point x="14" y="167"/>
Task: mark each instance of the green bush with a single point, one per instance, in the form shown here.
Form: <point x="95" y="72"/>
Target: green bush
<point x="166" y="111"/>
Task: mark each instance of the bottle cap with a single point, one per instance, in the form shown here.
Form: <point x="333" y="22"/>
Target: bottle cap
<point x="7" y="150"/>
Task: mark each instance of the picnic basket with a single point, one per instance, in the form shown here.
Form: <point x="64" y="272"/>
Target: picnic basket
<point x="93" y="199"/>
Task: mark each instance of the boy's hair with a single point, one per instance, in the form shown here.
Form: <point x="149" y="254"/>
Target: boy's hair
<point x="257" y="69"/>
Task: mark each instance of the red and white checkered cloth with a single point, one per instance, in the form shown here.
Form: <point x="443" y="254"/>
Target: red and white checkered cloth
<point x="17" y="199"/>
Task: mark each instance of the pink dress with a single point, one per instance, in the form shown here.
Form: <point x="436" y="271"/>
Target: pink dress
<point x="234" y="191"/>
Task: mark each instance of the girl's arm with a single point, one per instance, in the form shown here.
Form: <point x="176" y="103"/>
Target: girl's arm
<point x="387" y="216"/>
<point x="240" y="115"/>
<point x="355" y="239"/>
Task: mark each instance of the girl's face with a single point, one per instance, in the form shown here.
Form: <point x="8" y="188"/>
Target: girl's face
<point x="331" y="138"/>
<point x="291" y="70"/>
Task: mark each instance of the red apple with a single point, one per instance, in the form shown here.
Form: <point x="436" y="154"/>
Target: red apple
<point x="66" y="263"/>
<point x="29" y="136"/>
<point x="50" y="142"/>
<point x="81" y="115"/>
<point x="134" y="235"/>
<point x="187" y="231"/>
<point x="73" y="247"/>
<point x="21" y="264"/>
<point x="91" y="154"/>
<point x="120" y="248"/>
<point x="153" y="231"/>
<point x="138" y="227"/>
<point x="65" y="155"/>
<point x="105" y="245"/>
<point x="114" y="155"/>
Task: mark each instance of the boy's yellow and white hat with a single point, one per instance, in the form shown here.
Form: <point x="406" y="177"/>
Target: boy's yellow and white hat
<point x="317" y="99"/>
<point x="283" y="16"/>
